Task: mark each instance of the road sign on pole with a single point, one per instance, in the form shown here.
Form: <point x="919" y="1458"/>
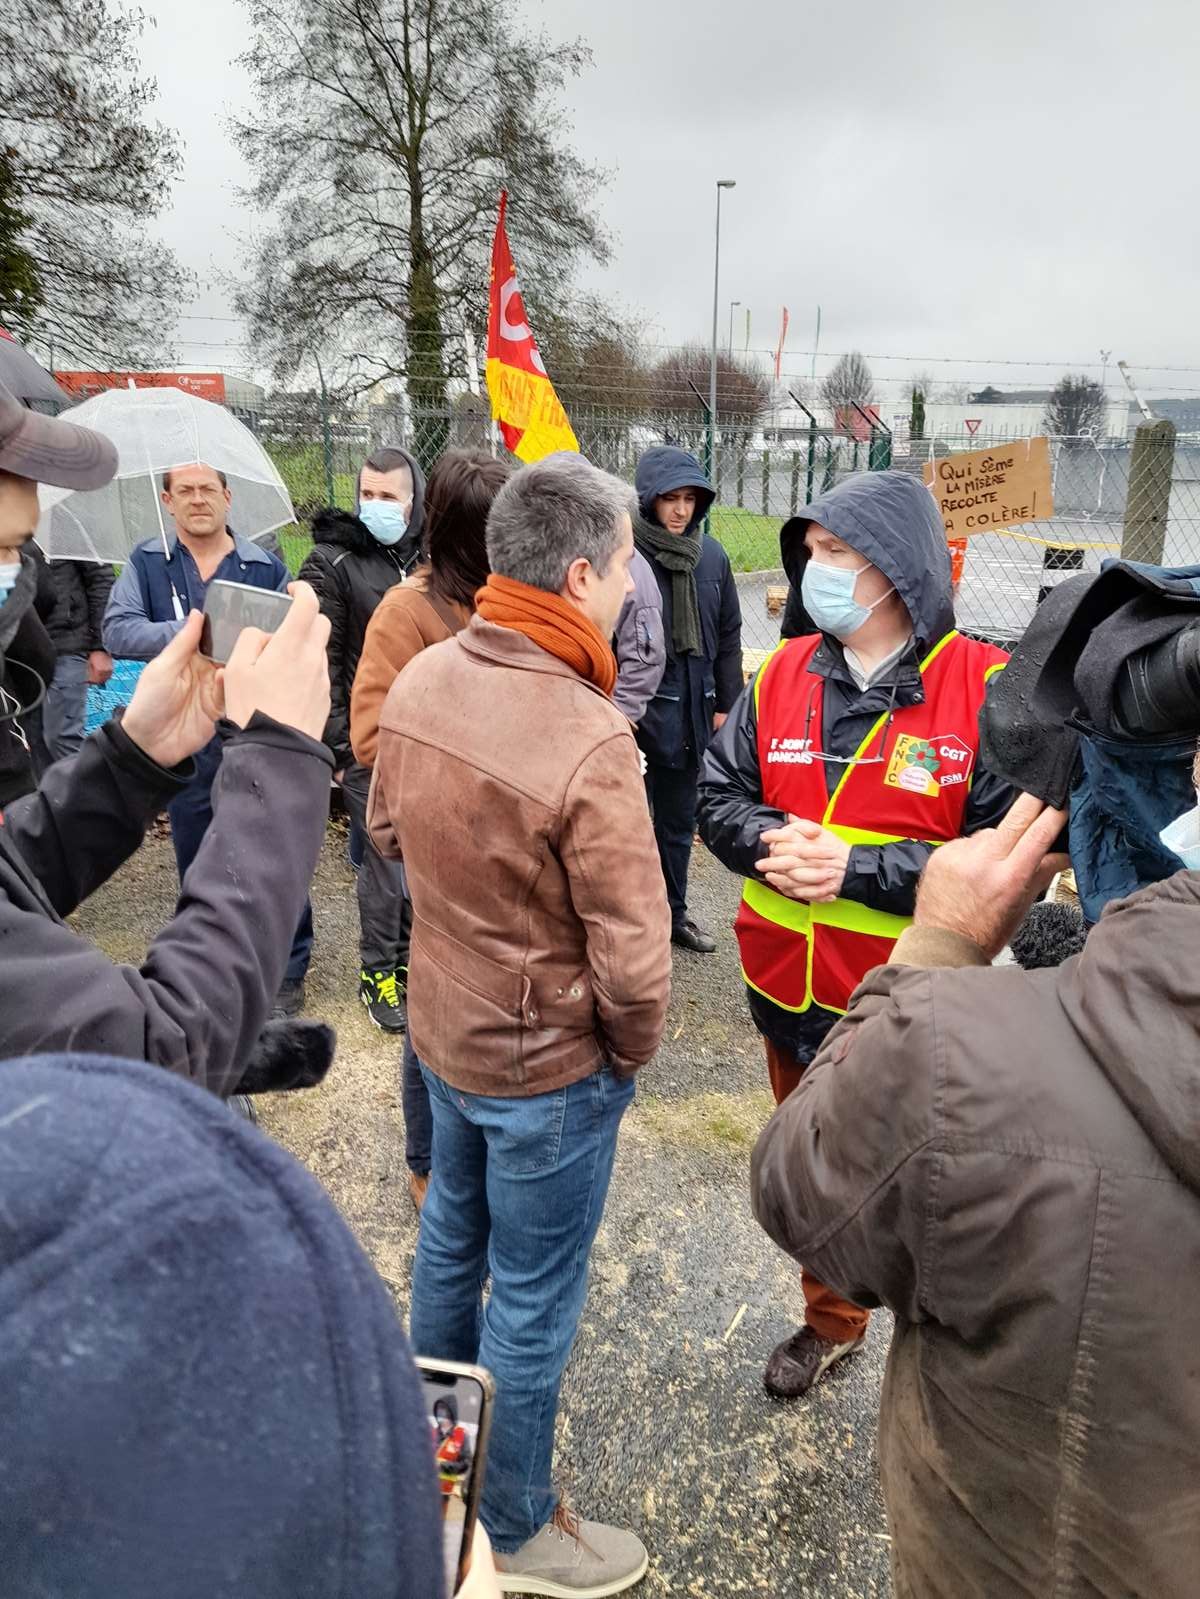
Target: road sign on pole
<point x="972" y="425"/>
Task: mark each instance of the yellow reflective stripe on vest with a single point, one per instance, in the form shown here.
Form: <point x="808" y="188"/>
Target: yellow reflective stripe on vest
<point x="798" y="916"/>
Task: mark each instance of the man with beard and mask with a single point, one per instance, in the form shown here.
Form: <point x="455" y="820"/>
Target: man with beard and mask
<point x="353" y="563"/>
<point x="199" y="1002"/>
<point x="148" y="607"/>
<point x="702" y="677"/>
<point x="851" y="756"/>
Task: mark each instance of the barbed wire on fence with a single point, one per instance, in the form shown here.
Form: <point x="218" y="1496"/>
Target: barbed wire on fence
<point x="1105" y="502"/>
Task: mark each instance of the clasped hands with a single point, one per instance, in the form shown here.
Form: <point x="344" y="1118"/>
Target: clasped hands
<point x="804" y="861"/>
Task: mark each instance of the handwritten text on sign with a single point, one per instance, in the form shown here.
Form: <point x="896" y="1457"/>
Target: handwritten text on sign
<point x="983" y="490"/>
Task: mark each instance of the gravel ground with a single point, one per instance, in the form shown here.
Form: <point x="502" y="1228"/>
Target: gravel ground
<point x="664" y="1424"/>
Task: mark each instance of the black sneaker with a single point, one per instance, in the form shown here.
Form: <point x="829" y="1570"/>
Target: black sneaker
<point x="290" y="999"/>
<point x="383" y="993"/>
<point x="688" y="936"/>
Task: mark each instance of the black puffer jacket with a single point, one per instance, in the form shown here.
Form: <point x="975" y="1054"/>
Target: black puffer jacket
<point x="351" y="572"/>
<point x="890" y="519"/>
<point x="25" y="649"/>
<point x="81" y="590"/>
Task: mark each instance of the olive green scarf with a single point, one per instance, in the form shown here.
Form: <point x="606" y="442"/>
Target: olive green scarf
<point x="679" y="554"/>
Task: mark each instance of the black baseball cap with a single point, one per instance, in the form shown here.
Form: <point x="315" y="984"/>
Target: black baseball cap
<point x="49" y="450"/>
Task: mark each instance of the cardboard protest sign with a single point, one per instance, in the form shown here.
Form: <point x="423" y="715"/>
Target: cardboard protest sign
<point x="983" y="490"/>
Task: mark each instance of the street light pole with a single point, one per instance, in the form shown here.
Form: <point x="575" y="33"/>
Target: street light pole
<point x="722" y="183"/>
<point x="732" y="304"/>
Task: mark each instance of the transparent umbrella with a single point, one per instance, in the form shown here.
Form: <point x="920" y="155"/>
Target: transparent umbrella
<point x="155" y="430"/>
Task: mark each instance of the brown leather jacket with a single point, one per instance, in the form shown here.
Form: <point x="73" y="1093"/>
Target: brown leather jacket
<point x="1011" y="1161"/>
<point x="511" y="789"/>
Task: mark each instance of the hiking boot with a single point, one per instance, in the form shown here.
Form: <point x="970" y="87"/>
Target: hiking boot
<point x="289" y="1001"/>
<point x="573" y="1559"/>
<point x="801" y="1359"/>
<point x="383" y="994"/>
<point x="418" y="1187"/>
<point x="689" y="936"/>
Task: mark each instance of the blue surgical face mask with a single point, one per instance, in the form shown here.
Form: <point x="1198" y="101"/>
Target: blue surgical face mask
<point x="828" y="595"/>
<point x="384" y="520"/>
<point x="1182" y="838"/>
<point x="8" y="579"/>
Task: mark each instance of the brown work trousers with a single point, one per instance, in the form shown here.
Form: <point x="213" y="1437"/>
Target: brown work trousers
<point x="828" y="1314"/>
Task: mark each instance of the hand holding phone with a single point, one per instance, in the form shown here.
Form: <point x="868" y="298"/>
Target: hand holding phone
<point x="458" y="1402"/>
<point x="230" y="608"/>
<point x="285" y="675"/>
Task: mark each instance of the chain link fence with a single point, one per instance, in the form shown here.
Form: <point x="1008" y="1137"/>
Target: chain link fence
<point x="1138" y="497"/>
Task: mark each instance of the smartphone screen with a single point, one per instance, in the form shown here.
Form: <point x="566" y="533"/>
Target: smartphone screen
<point x="230" y="607"/>
<point x="458" y="1408"/>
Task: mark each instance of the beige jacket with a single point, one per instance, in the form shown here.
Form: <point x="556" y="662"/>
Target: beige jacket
<point x="511" y="789"/>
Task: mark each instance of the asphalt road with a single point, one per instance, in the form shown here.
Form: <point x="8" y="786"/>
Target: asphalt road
<point x="664" y="1424"/>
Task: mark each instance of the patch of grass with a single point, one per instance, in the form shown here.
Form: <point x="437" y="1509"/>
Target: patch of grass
<point x="718" y="1123"/>
<point x="751" y="541"/>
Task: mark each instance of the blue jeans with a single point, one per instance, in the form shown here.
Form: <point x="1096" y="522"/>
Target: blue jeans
<point x="190" y="813"/>
<point x="518" y="1189"/>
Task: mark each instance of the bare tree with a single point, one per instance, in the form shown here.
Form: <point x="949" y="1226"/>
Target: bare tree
<point x="680" y="384"/>
<point x="848" y="383"/>
<point x="1076" y="405"/>
<point x="85" y="170"/>
<point x="598" y="367"/>
<point x="20" y="280"/>
<point x="382" y="134"/>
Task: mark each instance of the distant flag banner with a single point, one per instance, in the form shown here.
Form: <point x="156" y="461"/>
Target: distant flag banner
<point x="783" y="327"/>
<point x="532" y="421"/>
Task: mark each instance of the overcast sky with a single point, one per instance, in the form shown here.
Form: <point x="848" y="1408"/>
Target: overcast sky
<point x="1013" y="182"/>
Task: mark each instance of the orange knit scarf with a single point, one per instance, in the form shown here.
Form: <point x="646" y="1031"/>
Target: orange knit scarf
<point x="552" y="622"/>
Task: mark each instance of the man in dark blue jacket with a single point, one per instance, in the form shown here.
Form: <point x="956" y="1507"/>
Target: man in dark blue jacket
<point x="702" y="620"/>
<point x="147" y="608"/>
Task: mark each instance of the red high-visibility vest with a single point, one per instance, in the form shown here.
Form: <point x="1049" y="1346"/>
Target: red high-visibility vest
<point x="796" y="954"/>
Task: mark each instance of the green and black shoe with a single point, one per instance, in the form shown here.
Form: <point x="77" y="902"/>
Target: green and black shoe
<point x="384" y="993"/>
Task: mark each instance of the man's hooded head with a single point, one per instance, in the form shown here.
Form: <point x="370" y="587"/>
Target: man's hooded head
<point x="666" y="472"/>
<point x="891" y="520"/>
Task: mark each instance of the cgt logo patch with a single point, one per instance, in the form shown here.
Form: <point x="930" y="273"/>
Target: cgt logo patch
<point x="928" y="765"/>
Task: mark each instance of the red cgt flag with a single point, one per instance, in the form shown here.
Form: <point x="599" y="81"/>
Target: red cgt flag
<point x="524" y="403"/>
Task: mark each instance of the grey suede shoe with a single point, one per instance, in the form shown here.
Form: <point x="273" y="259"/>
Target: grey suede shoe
<point x="573" y="1559"/>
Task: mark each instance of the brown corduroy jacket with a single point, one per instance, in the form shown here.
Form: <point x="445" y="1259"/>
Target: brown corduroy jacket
<point x="511" y="788"/>
<point x="1010" y="1161"/>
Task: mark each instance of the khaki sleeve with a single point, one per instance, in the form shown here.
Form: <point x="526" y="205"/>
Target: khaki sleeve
<point x="841" y="1174"/>
<point x="607" y="847"/>
<point x="391" y="641"/>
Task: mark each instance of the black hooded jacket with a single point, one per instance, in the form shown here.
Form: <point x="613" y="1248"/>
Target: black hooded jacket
<point x="677" y="724"/>
<point x="25" y="649"/>
<point x="891" y="520"/>
<point x="351" y="572"/>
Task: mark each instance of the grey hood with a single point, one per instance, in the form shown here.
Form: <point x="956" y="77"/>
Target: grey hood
<point x="891" y="520"/>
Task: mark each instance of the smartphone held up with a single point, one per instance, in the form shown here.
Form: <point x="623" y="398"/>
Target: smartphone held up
<point x="230" y="608"/>
<point x="458" y="1402"/>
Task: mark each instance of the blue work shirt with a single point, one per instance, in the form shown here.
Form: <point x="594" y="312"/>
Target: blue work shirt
<point x="140" y="618"/>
